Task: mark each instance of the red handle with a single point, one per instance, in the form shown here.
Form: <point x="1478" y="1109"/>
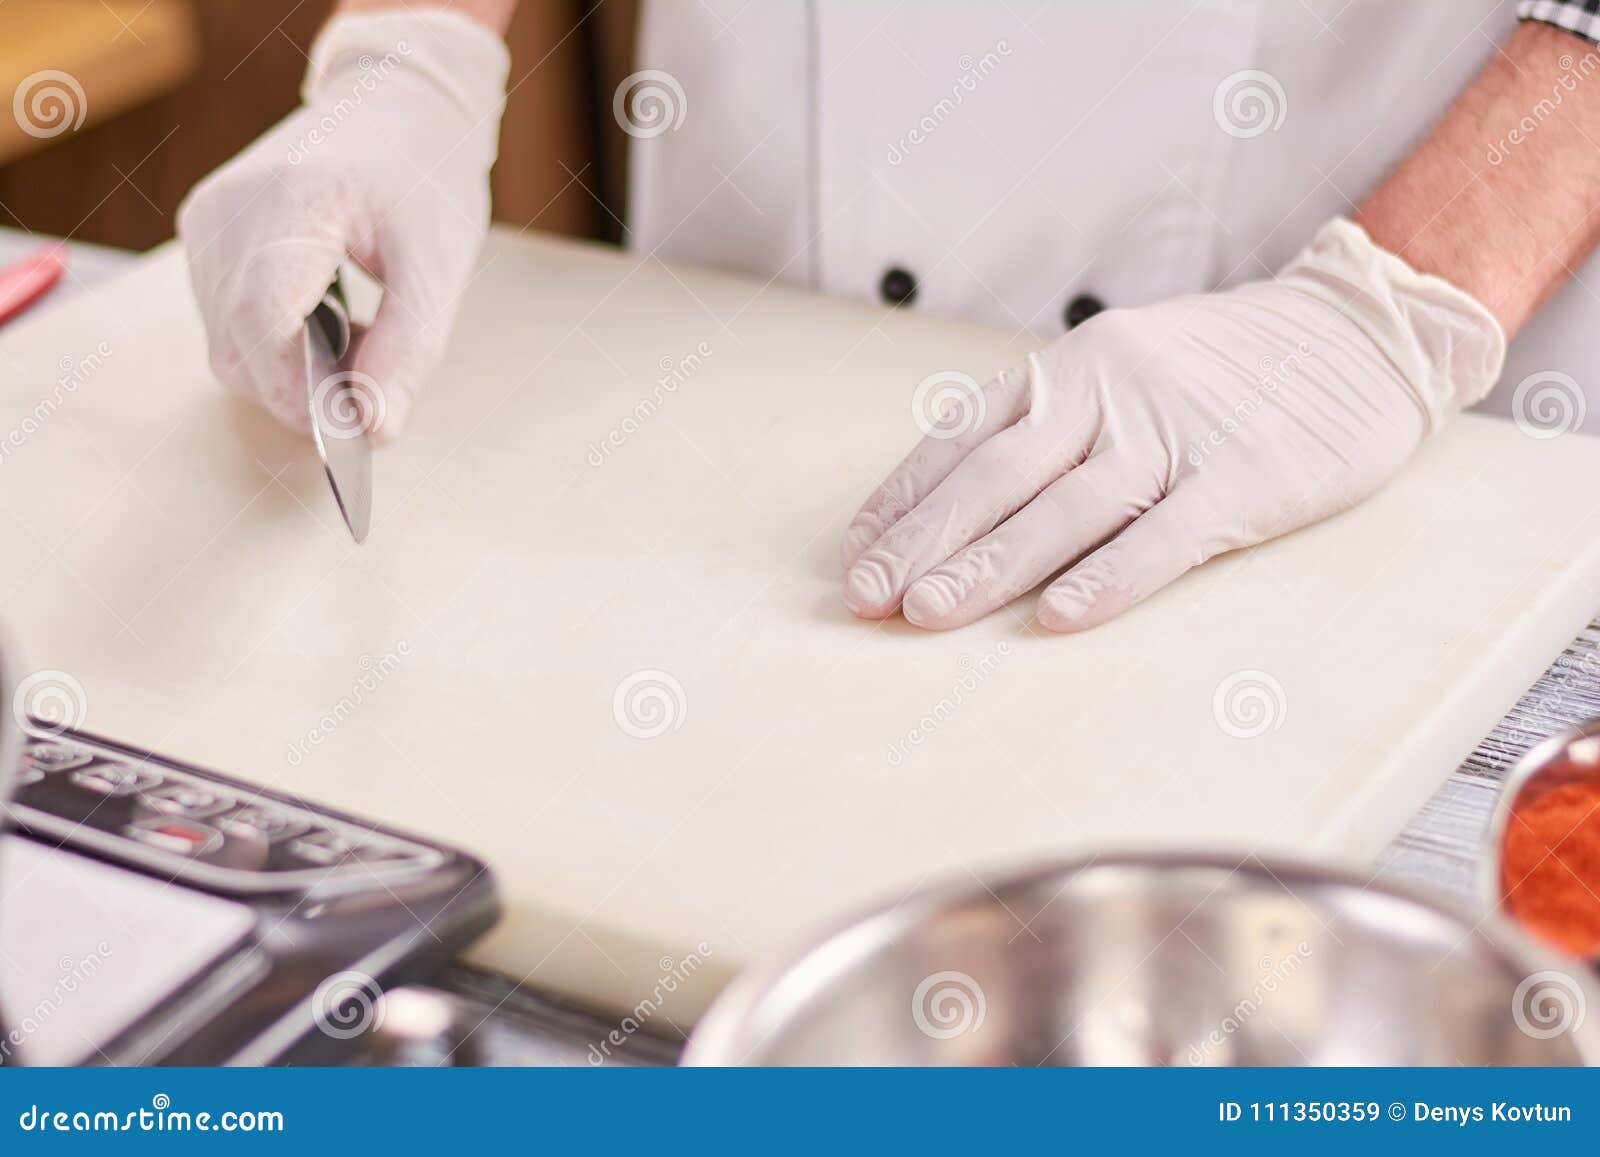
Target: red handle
<point x="29" y="279"/>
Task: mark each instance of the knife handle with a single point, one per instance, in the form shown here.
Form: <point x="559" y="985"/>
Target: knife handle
<point x="332" y="316"/>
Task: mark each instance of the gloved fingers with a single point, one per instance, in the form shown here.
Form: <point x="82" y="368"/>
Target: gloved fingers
<point x="989" y="485"/>
<point x="275" y="379"/>
<point x="407" y="337"/>
<point x="394" y="177"/>
<point x="1156" y="548"/>
<point x="1071" y="517"/>
<point x="395" y="357"/>
<point x="997" y="406"/>
<point x="258" y="342"/>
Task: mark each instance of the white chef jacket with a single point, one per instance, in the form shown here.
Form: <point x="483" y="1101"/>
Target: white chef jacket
<point x="1025" y="164"/>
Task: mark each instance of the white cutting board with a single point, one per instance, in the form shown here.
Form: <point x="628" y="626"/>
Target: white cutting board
<point x="181" y="558"/>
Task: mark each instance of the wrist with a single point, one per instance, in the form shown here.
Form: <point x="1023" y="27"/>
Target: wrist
<point x="1447" y="346"/>
<point x="494" y="15"/>
<point x="1499" y="196"/>
<point x="466" y="62"/>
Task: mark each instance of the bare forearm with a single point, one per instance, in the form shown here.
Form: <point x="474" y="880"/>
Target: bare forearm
<point x="496" y="14"/>
<point x="1503" y="197"/>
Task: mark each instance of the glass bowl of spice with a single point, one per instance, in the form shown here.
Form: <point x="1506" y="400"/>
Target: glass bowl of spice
<point x="1544" y="866"/>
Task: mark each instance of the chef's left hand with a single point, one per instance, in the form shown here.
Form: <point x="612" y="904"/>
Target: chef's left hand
<point x="1148" y="440"/>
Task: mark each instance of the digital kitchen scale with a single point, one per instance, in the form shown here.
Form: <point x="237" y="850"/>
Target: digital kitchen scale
<point x="153" y="912"/>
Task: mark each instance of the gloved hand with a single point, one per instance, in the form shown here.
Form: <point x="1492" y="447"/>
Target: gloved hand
<point x="386" y="162"/>
<point x="1148" y="440"/>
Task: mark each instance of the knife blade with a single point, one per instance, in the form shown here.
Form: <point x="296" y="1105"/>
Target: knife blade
<point x="344" y="405"/>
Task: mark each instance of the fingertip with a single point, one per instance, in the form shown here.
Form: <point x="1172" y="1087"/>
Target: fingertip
<point x="394" y="411"/>
<point x="277" y="389"/>
<point x="931" y="601"/>
<point x="870" y="613"/>
<point x="291" y="420"/>
<point x="1065" y="609"/>
<point x="869" y="588"/>
<point x="288" y="416"/>
<point x="1056" y="619"/>
<point x="393" y="359"/>
<point x="1074" y="609"/>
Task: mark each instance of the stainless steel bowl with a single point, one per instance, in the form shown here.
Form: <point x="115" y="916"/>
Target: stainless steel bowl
<point x="1160" y="959"/>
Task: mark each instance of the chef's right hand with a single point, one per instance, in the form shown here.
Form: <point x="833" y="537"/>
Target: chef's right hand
<point x="385" y="163"/>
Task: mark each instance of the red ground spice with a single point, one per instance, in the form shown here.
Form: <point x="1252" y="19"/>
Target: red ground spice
<point x="1550" y="867"/>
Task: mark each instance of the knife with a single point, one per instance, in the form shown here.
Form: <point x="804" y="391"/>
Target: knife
<point x="342" y="404"/>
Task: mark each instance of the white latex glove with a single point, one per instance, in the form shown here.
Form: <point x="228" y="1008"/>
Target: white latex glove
<point x="386" y="162"/>
<point x="1148" y="440"/>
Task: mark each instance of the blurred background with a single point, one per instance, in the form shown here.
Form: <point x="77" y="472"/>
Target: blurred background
<point x="172" y="88"/>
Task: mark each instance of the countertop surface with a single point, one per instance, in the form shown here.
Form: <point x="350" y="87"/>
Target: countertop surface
<point x="88" y="265"/>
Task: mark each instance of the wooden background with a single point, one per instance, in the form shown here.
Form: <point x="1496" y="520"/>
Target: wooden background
<point x="118" y="181"/>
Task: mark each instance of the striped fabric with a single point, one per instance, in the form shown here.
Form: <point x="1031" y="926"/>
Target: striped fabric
<point x="1580" y="16"/>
